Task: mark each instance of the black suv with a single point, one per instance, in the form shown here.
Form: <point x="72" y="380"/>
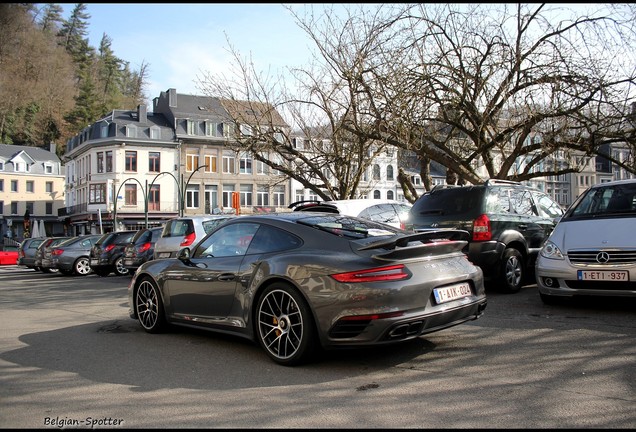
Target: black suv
<point x="106" y="255"/>
<point x="507" y="222"/>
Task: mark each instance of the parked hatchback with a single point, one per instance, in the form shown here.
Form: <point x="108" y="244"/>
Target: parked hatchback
<point x="43" y="253"/>
<point x="27" y="250"/>
<point x="507" y="222"/>
<point x="388" y="212"/>
<point x="141" y="248"/>
<point x="592" y="251"/>
<point x="186" y="231"/>
<point x="71" y="256"/>
<point x="106" y="255"/>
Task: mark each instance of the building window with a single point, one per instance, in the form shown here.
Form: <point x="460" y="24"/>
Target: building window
<point x="109" y="161"/>
<point x="29" y="186"/>
<point x="153" y="197"/>
<point x="131" y="131"/>
<point x="245" y="164"/>
<point x="29" y="207"/>
<point x="154" y="162"/>
<point x="155" y="132"/>
<point x="376" y="172"/>
<point x="49" y="208"/>
<point x="48" y="169"/>
<point x="228" y="163"/>
<point x="210" y="163"/>
<point x="246" y="195"/>
<point x="14" y="207"/>
<point x="14" y="185"/>
<point x="389" y="195"/>
<point x="97" y="193"/>
<point x="100" y="162"/>
<point x="19" y="166"/>
<point x="246" y="130"/>
<point x="214" y="129"/>
<point x="262" y="195"/>
<point x="131" y="161"/>
<point x="389" y="172"/>
<point x="192" y="162"/>
<point x="227" y="195"/>
<point x="104" y="131"/>
<point x="210" y="198"/>
<point x="1" y="185"/>
<point x="1" y="165"/>
<point x="279" y="196"/>
<point x="130" y="197"/>
<point x="262" y="168"/>
<point x="192" y="196"/>
<point x="376" y="194"/>
<point x="191" y="127"/>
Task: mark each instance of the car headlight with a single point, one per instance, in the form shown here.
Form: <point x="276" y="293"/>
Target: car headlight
<point x="551" y="251"/>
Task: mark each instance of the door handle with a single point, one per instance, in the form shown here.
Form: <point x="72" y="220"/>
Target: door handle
<point x="226" y="277"/>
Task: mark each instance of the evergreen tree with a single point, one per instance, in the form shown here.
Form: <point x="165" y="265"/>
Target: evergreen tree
<point x="52" y="19"/>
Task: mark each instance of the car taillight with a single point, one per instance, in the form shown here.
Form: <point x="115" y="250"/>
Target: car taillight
<point x="56" y="252"/>
<point x="109" y="248"/>
<point x="378" y="274"/>
<point x="481" y="228"/>
<point x="188" y="239"/>
<point x="144" y="247"/>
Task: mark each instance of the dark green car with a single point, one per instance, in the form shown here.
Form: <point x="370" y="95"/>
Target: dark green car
<point x="507" y="221"/>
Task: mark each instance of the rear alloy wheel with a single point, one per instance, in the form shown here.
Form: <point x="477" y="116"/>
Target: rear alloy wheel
<point x="284" y="325"/>
<point x="512" y="271"/>
<point x="149" y="307"/>
<point x="81" y="267"/>
<point x="120" y="270"/>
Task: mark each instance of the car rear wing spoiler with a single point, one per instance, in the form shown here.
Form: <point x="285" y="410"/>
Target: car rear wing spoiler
<point x="439" y="241"/>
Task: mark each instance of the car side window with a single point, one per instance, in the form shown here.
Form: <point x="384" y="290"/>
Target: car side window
<point x="230" y="240"/>
<point x="547" y="207"/>
<point x="383" y="213"/>
<point x="270" y="239"/>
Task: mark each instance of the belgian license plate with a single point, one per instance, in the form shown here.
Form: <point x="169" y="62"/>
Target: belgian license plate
<point x="128" y="262"/>
<point x="94" y="262"/>
<point x="452" y="292"/>
<point x="164" y="255"/>
<point x="603" y="275"/>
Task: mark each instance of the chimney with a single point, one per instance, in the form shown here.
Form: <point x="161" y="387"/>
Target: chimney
<point x="52" y="147"/>
<point x="142" y="115"/>
<point x="172" y="97"/>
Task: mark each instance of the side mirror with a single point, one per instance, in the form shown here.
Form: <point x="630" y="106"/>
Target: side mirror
<point x="184" y="254"/>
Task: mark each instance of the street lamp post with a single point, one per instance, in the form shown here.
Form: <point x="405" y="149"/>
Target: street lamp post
<point x="117" y="194"/>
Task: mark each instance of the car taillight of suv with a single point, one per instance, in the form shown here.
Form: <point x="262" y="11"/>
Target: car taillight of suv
<point x="481" y="229"/>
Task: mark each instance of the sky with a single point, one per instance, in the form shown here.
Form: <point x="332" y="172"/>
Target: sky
<point x="182" y="41"/>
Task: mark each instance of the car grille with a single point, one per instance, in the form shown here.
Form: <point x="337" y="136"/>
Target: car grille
<point x="596" y="257"/>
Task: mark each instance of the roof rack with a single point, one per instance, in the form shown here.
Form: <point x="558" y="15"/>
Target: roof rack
<point x="500" y="181"/>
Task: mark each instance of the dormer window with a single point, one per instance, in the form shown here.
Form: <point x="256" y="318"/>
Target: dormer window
<point x="131" y="131"/>
<point x="103" y="130"/>
<point x="246" y="130"/>
<point x="191" y="127"/>
<point x="155" y="132"/>
<point x="19" y="167"/>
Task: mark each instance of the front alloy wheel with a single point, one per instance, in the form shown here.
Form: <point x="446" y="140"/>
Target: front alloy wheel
<point x="284" y="325"/>
<point x="149" y="307"/>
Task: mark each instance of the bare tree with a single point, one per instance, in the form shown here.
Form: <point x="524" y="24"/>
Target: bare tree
<point x="318" y="147"/>
<point x="493" y="90"/>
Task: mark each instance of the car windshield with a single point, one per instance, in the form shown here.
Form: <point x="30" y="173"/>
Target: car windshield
<point x="345" y="226"/>
<point x="617" y="199"/>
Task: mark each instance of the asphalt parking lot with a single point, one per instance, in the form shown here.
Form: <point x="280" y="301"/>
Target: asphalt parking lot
<point x="71" y="357"/>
